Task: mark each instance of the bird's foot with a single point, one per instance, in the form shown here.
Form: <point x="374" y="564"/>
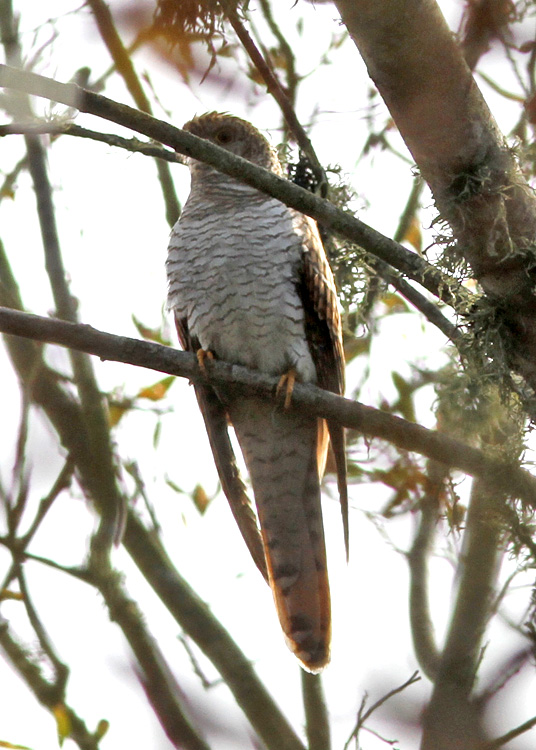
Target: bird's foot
<point x="202" y="356"/>
<point x="286" y="383"/>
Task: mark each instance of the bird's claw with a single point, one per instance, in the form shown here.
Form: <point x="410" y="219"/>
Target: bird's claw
<point x="202" y="355"/>
<point x="286" y="383"/>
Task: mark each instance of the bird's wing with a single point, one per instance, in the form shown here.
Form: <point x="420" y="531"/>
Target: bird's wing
<point x="215" y="418"/>
<point x="323" y="330"/>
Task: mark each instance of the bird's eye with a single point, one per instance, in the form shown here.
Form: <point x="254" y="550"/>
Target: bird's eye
<point x="224" y="136"/>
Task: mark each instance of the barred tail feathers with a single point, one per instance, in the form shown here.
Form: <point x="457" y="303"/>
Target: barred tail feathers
<point x="280" y="450"/>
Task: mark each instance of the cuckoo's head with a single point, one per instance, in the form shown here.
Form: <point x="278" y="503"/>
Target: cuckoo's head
<point x="237" y="136"/>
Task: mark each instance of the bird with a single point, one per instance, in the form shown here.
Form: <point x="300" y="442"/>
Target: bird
<point x="249" y="283"/>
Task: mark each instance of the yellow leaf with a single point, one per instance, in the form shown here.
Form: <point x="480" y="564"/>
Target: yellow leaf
<point x="200" y="498"/>
<point x="7" y="193"/>
<point x="158" y="390"/>
<point x="13" y="747"/>
<point x="63" y="721"/>
<point x="115" y="412"/>
<point x="414" y="235"/>
<point x="354" y="346"/>
<point x="150" y="334"/>
<point x="394" y="303"/>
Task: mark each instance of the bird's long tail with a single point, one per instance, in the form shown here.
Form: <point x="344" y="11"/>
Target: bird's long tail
<point x="280" y="451"/>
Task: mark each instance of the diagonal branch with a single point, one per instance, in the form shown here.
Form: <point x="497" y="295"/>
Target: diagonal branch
<point x="276" y="90"/>
<point x="162" y="689"/>
<point x="194" y="617"/>
<point x="323" y="211"/>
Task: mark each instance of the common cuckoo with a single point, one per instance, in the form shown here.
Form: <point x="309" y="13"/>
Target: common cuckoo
<point x="249" y="283"/>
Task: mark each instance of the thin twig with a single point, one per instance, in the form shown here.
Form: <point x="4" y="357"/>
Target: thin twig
<point x="134" y="145"/>
<point x="363" y="715"/>
<point x="196" y="667"/>
<point x="276" y="90"/>
<point x="61" y="671"/>
<point x="503" y="673"/>
<point x="511" y="735"/>
<point x="429" y="309"/>
<point x="62" y="482"/>
<point x="80" y="573"/>
<point x="290" y="60"/>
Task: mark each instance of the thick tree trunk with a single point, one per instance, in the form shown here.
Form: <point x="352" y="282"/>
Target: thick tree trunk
<point x="413" y="59"/>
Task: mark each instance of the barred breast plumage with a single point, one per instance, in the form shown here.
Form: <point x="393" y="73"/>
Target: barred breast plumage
<point x="249" y="282"/>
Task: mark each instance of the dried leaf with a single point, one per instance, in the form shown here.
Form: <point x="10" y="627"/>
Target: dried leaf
<point x="150" y="334"/>
<point x="116" y="411"/>
<point x="394" y="303"/>
<point x="354" y="346"/>
<point x="158" y="390"/>
<point x="200" y="498"/>
<point x="414" y="235"/>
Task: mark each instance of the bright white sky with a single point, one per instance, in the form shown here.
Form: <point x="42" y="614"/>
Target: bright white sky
<point x="114" y="240"/>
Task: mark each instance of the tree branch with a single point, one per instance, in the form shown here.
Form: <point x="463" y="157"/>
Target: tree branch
<point x="302" y="200"/>
<point x="93" y="414"/>
<point x="451" y="718"/>
<point x="195" y="618"/>
<point x="422" y="628"/>
<point x="364" y="715"/>
<point x="511" y="735"/>
<point x="59" y="127"/>
<point x="506" y="476"/>
<point x="160" y="685"/>
<point x="420" y="72"/>
<point x="316" y="712"/>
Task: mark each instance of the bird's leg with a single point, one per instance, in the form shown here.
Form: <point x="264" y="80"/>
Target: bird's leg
<point x="286" y="383"/>
<point x="202" y="355"/>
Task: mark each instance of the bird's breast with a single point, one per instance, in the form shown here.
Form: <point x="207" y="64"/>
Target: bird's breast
<point x="232" y="275"/>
